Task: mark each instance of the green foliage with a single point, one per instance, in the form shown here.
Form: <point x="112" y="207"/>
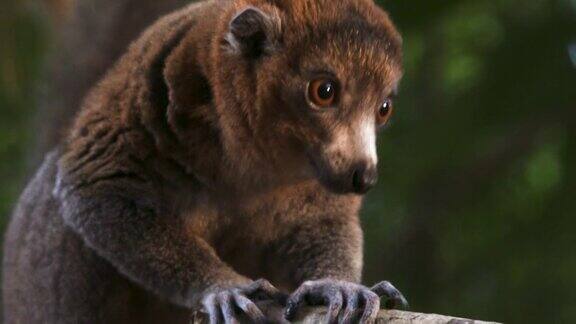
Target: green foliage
<point x="21" y="51"/>
<point x="474" y="213"/>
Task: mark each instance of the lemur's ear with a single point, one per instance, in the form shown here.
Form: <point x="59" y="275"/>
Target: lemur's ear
<point x="253" y="32"/>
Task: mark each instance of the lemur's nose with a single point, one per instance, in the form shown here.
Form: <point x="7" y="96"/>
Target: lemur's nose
<point x="364" y="177"/>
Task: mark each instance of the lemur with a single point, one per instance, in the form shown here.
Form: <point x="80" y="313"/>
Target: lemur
<point x="222" y="160"/>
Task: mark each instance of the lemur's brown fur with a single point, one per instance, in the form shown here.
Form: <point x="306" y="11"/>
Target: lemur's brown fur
<point x="89" y="36"/>
<point x="197" y="165"/>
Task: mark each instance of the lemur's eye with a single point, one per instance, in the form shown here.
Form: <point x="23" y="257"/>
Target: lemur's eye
<point x="322" y="92"/>
<point x="385" y="111"/>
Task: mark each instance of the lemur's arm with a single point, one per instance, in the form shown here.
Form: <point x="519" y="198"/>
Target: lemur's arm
<point x="115" y="217"/>
<point x="324" y="247"/>
<point x="325" y="258"/>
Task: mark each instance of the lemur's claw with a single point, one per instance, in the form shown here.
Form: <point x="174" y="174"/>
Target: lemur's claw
<point x="394" y="298"/>
<point x="345" y="300"/>
<point x="262" y="289"/>
<point x="224" y="305"/>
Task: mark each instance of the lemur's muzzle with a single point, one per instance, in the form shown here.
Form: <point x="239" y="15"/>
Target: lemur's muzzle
<point x="364" y="177"/>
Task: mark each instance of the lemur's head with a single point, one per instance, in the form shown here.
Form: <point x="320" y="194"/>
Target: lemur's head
<point x="310" y="82"/>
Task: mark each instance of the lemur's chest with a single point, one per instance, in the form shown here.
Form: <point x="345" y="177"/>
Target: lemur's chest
<point x="254" y="228"/>
<point x="257" y="219"/>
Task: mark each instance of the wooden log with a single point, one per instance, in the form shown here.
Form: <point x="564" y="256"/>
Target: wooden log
<point x="396" y="317"/>
<point x="317" y="315"/>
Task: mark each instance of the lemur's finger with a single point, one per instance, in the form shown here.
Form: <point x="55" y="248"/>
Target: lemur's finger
<point x="352" y="304"/>
<point x="393" y="296"/>
<point x="249" y="308"/>
<point x="225" y="301"/>
<point x="211" y="308"/>
<point x="335" y="299"/>
<point x="264" y="287"/>
<point x="295" y="301"/>
<point x="371" y="307"/>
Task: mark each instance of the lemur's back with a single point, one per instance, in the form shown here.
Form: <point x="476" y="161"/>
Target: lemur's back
<point x="42" y="255"/>
<point x="45" y="259"/>
<point x="89" y="38"/>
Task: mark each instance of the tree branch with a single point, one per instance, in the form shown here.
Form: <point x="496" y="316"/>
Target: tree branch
<point x="317" y="315"/>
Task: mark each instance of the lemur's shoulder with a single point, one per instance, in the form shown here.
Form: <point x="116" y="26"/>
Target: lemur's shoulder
<point x="131" y="117"/>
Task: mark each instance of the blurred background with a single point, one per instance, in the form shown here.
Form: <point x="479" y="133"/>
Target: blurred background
<point x="475" y="212"/>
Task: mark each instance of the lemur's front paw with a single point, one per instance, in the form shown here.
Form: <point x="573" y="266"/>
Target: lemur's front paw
<point x="345" y="300"/>
<point x="225" y="305"/>
<point x="394" y="297"/>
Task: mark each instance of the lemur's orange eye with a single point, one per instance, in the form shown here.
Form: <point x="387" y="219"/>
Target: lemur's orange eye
<point x="322" y="92"/>
<point x="385" y="111"/>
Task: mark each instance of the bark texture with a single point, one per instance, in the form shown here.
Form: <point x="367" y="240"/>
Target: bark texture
<point x="317" y="315"/>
